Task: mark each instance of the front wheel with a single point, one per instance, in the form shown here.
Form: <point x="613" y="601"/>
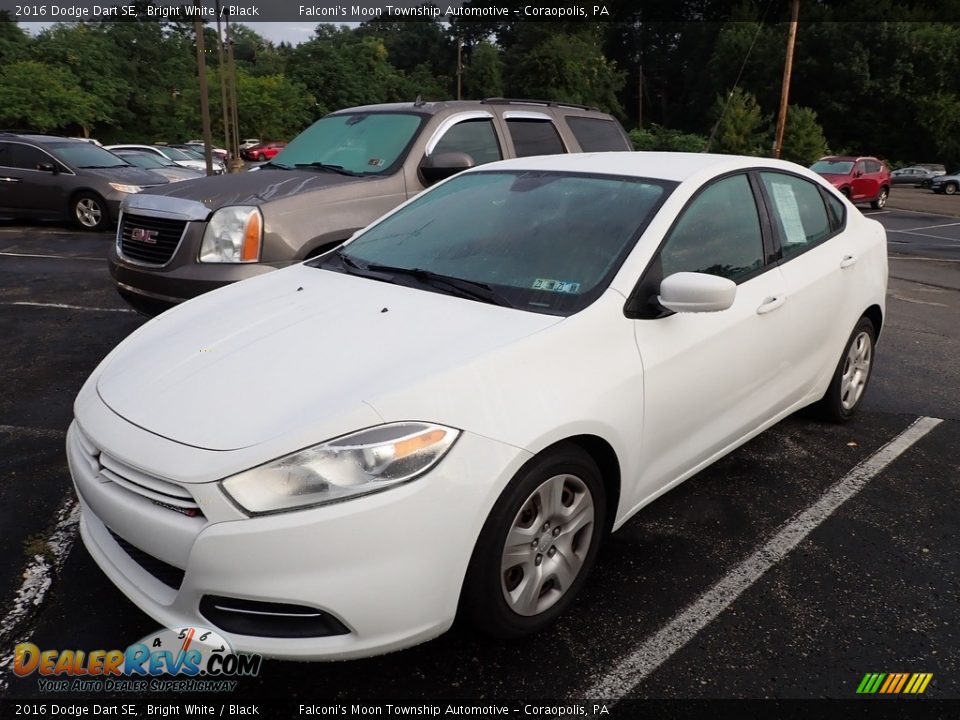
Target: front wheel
<point x="951" y="188"/>
<point x="852" y="375"/>
<point x="537" y="546"/>
<point x="881" y="199"/>
<point x="90" y="211"/>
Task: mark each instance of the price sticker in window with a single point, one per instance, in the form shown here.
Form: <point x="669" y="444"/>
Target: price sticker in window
<point x="558" y="286"/>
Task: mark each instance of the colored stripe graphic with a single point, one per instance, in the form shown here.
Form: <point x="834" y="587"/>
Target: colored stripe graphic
<point x="894" y="683"/>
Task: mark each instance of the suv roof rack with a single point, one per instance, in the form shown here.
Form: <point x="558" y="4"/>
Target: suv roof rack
<point x="547" y="103"/>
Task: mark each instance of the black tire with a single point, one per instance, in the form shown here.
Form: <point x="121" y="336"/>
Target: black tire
<point x="845" y="192"/>
<point x="951" y="188"/>
<point x="881" y="199"/>
<point x="483" y="601"/>
<point x="89" y="211"/>
<point x="836" y="404"/>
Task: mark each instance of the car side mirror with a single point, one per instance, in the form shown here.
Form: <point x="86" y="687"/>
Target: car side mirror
<point x="858" y="173"/>
<point x="686" y="292"/>
<point x="47" y="167"/>
<point x="435" y="168"/>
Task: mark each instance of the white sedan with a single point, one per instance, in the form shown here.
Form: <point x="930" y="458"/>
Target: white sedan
<point x="180" y="157"/>
<point x="449" y="413"/>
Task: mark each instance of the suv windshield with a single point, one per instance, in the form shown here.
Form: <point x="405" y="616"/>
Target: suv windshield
<point x="832" y="167"/>
<point x="545" y="242"/>
<point x="362" y="143"/>
<point x="85" y="155"/>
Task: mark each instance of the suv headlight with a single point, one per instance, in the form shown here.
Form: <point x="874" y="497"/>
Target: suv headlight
<point x="121" y="187"/>
<point x="357" y="464"/>
<point x="233" y="235"/>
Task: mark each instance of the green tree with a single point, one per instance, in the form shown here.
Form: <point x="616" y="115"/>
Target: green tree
<point x="660" y="138"/>
<point x="803" y="140"/>
<point x="483" y="73"/>
<point x="42" y="97"/>
<point x="13" y="41"/>
<point x="741" y="128"/>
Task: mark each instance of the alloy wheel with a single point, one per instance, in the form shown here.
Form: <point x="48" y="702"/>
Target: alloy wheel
<point x="856" y="370"/>
<point x="88" y="212"/>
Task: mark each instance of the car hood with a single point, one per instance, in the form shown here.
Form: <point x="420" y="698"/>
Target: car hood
<point x="253" y="188"/>
<point x="126" y="174"/>
<point x="301" y="353"/>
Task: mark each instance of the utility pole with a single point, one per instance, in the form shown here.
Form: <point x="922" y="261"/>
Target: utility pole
<point x="235" y="150"/>
<point x="640" y="98"/>
<point x="459" y="66"/>
<point x="204" y="100"/>
<point x="787" y="69"/>
<point x="223" y="88"/>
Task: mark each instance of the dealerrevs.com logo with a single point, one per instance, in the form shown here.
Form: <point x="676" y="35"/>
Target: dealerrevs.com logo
<point x="198" y="659"/>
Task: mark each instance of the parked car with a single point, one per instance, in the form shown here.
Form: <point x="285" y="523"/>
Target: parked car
<point x="44" y="176"/>
<point x="180" y="157"/>
<point x="159" y="164"/>
<point x="946" y="184"/>
<point x="463" y="400"/>
<point x="263" y="151"/>
<point x="915" y="175"/>
<point x="249" y="143"/>
<point x="219" y="154"/>
<point x="338" y="175"/>
<point x="861" y="179"/>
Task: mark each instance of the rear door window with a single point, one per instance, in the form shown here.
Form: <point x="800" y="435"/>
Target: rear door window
<point x="534" y="137"/>
<point x="597" y="135"/>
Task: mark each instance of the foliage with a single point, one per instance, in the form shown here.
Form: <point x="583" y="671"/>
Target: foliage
<point x="741" y="127"/>
<point x="803" y="140"/>
<point x="660" y="138"/>
<point x="483" y="73"/>
<point x="41" y="97"/>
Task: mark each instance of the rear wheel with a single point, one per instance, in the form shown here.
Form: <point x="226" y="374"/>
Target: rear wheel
<point x="89" y="211"/>
<point x="850" y="379"/>
<point x="881" y="199"/>
<point x="538" y="545"/>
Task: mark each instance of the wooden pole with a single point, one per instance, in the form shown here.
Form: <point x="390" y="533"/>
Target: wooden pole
<point x="204" y="100"/>
<point x="227" y="144"/>
<point x="459" y="67"/>
<point x="787" y="69"/>
<point x="640" y="98"/>
<point x="235" y="150"/>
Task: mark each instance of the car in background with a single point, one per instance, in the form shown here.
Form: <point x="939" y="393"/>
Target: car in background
<point x="180" y="157"/>
<point x="916" y="175"/>
<point x="861" y="179"/>
<point x="948" y="184"/>
<point x="249" y="143"/>
<point x="49" y="177"/>
<point x="338" y="175"/>
<point x="159" y="164"/>
<point x="263" y="151"/>
<point x="400" y="412"/>
<point x="219" y="154"/>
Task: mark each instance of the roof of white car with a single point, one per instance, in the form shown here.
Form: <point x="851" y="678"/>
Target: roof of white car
<point x="662" y="165"/>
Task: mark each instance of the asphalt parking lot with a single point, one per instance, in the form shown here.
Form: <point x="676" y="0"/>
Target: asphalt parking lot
<point x="741" y="583"/>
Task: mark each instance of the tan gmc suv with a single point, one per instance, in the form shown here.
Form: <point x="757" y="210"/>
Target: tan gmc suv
<point x="337" y="176"/>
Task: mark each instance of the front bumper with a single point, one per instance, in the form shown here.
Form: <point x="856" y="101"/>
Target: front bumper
<point x="389" y="566"/>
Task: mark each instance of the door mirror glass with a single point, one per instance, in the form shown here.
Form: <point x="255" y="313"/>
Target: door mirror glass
<point x="440" y="166"/>
<point x="696" y="292"/>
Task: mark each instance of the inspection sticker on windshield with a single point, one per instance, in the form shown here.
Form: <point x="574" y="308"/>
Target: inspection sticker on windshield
<point x="560" y="286"/>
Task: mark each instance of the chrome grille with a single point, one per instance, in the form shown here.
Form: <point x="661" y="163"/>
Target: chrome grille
<point x="167" y="494"/>
<point x="149" y="240"/>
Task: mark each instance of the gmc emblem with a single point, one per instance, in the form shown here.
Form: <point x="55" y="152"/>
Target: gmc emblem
<point x="144" y="236"/>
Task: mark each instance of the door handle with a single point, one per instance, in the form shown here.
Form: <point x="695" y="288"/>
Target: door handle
<point x="771" y="303"/>
<point x="847" y="261"/>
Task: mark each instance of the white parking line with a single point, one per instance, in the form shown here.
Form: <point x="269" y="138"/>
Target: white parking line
<point x="919" y="234"/>
<point x="51" y="257"/>
<point x="661" y="645"/>
<point x="37" y="579"/>
<point x="876" y="212"/>
<point x="60" y="306"/>
<point x="929" y="227"/>
<point x="904" y="257"/>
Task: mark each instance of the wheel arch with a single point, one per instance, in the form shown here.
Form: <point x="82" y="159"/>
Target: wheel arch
<point x="875" y="315"/>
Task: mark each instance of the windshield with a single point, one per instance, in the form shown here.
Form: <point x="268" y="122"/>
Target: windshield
<point x="146" y="161"/>
<point x="175" y="154"/>
<point x="192" y="153"/>
<point x="85" y="155"/>
<point x="363" y="143"/>
<point x="542" y="241"/>
<point x="832" y="167"/>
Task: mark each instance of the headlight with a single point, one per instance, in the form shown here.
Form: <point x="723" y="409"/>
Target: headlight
<point x="358" y="464"/>
<point x="120" y="187"/>
<point x="233" y="235"/>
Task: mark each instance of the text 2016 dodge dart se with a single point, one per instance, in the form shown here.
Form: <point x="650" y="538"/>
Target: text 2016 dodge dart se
<point x="447" y="414"/>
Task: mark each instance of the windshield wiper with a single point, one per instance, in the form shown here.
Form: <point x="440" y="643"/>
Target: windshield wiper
<point x="340" y="169"/>
<point x="466" y="288"/>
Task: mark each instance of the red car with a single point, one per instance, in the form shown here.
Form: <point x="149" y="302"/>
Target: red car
<point x="861" y="179"/>
<point x="263" y="151"/>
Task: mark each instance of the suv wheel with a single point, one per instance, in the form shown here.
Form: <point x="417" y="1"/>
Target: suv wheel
<point x="90" y="211"/>
<point x="881" y="199"/>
